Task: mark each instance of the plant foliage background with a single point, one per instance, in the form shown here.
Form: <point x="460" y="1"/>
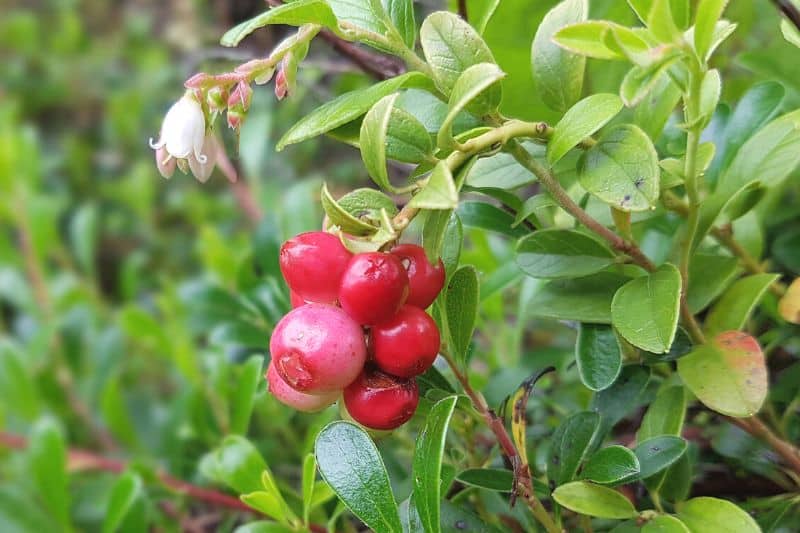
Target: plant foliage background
<point x="135" y="312"/>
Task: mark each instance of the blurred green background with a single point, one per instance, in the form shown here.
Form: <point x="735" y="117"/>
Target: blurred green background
<point x="133" y="309"/>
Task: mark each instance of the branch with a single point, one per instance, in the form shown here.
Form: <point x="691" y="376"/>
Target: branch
<point x="758" y="429"/>
<point x="789" y="11"/>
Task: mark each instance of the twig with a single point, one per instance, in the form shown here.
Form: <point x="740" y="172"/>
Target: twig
<point x="758" y="429"/>
<point x="85" y="460"/>
<point x="495" y="423"/>
<point x="789" y="11"/>
<point x="462" y="10"/>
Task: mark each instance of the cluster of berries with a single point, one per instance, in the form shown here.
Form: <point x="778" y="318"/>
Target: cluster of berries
<point x="358" y="329"/>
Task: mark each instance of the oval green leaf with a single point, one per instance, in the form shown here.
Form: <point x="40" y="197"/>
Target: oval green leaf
<point x="733" y="309"/>
<point x="728" y="374"/>
<point x="622" y="169"/>
<point x="587" y="39"/>
<point x="665" y="524"/>
<point x="340" y="216"/>
<point x="295" y="13"/>
<point x="496" y="479"/>
<point x="407" y="140"/>
<point x="586" y="299"/>
<point x="615" y="402"/>
<point x="558" y="73"/>
<point x="461" y="305"/>
<point x="645" y="310"/>
<point x="569" y="446"/>
<point x="658" y="453"/>
<point x="612" y="465"/>
<point x="427" y="465"/>
<point x="665" y="415"/>
<point x="451" y="45"/>
<point x="474" y="90"/>
<point x="594" y="500"/>
<point x="598" y="355"/>
<point x="561" y="253"/>
<point x="350" y="463"/>
<point x="372" y="141"/>
<point x="713" y="515"/>
<point x="580" y="121"/>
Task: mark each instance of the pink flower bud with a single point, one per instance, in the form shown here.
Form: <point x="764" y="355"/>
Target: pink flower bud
<point x="239" y="103"/>
<point x="281" y="87"/>
<point x="217" y="99"/>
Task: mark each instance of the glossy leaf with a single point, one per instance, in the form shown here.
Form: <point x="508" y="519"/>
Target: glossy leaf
<point x="350" y="463"/>
<point x="500" y="171"/>
<point x="610" y="466"/>
<point x="598" y="355"/>
<point x="735" y="306"/>
<point x="708" y="13"/>
<point x="295" y="13"/>
<point x="661" y="23"/>
<point x="653" y="111"/>
<point x="474" y="90"/>
<point x="709" y="275"/>
<point x="615" y="402"/>
<point x="373" y="143"/>
<point x="713" y="515"/>
<point x="658" y="453"/>
<point x="339" y="216"/>
<point x="401" y="13"/>
<point x="347" y="108"/>
<point x="427" y="465"/>
<point x="728" y="374"/>
<point x="47" y="464"/>
<point x="439" y="193"/>
<point x="308" y="481"/>
<point x="622" y="169"/>
<point x="558" y="73"/>
<point x="586" y="299"/>
<point x="569" y="446"/>
<point x="489" y="217"/>
<point x="496" y="479"/>
<point x="581" y="121"/>
<point x="126" y="490"/>
<point x="665" y="415"/>
<point x="560" y="253"/>
<point x="461" y="304"/>
<point x="407" y="140"/>
<point x="451" y="45"/>
<point x="665" y="524"/>
<point x="243" y="396"/>
<point x="588" y="39"/>
<point x="594" y="500"/>
<point x="645" y="310"/>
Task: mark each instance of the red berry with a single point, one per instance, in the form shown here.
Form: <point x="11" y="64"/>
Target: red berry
<point x="373" y="288"/>
<point x="295" y="300"/>
<point x="380" y="401"/>
<point x="312" y="264"/>
<point x="318" y="349"/>
<point x="407" y="344"/>
<point x="425" y="280"/>
<point x="301" y="401"/>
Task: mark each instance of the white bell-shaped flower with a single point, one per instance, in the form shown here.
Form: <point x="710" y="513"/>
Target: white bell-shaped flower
<point x="183" y="130"/>
<point x="211" y="147"/>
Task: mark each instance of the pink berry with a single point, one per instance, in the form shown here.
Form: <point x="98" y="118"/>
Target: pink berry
<point x="407" y="344"/>
<point x="312" y="264"/>
<point x="380" y="401"/>
<point x="318" y="349"/>
<point x="425" y="280"/>
<point x="301" y="401"/>
<point x="374" y="286"/>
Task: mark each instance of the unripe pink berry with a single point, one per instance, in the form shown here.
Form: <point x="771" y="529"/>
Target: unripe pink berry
<point x="301" y="401"/>
<point x="318" y="349"/>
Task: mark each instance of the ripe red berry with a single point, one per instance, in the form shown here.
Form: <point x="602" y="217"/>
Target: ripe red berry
<point x="318" y="349"/>
<point x="301" y="401"/>
<point x="380" y="401"/>
<point x="407" y="344"/>
<point x="425" y="280"/>
<point x="373" y="287"/>
<point x="312" y="264"/>
<point x="295" y="300"/>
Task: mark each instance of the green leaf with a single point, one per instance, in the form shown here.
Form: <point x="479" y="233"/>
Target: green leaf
<point x="594" y="500"/>
<point x="588" y="39"/>
<point x="309" y="477"/>
<point x="713" y="515"/>
<point x="126" y="490"/>
<point x="243" y="395"/>
<point x="18" y="391"/>
<point x="499" y="171"/>
<point x="294" y="13"/>
<point x="347" y="108"/>
<point x="496" y="479"/>
<point x="611" y="466"/>
<point x="401" y="13"/>
<point x="83" y="231"/>
<point x="361" y="14"/>
<point x="350" y="463"/>
<point x="558" y="73"/>
<point x="665" y="524"/>
<point x="654" y="110"/>
<point x="622" y="169"/>
<point x="586" y="299"/>
<point x="665" y="415"/>
<point x="598" y="355"/>
<point x="645" y="310"/>
<point x="790" y="32"/>
<point x="407" y="139"/>
<point x="263" y="526"/>
<point x="709" y="275"/>
<point x="427" y="465"/>
<point x="658" y="453"/>
<point x="708" y="13"/>
<point x="641" y="8"/>
<point x="710" y="90"/>
<point x="560" y="253"/>
<point x="372" y="141"/>
<point x="451" y="45"/>
<point x="266" y="502"/>
<point x="615" y="402"/>
<point x="47" y="465"/>
<point x="570" y="445"/>
<point x="738" y="302"/>
<point x="489" y="217"/>
<point x="581" y="121"/>
<point x="238" y="464"/>
<point x="661" y="23"/>
<point x="640" y="81"/>
<point x="474" y="90"/>
<point x="439" y="193"/>
<point x="728" y="374"/>
<point x="339" y="216"/>
<point x="461" y="304"/>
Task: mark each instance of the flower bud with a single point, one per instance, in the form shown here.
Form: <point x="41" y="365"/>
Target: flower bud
<point x="239" y="103"/>
<point x="217" y="98"/>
